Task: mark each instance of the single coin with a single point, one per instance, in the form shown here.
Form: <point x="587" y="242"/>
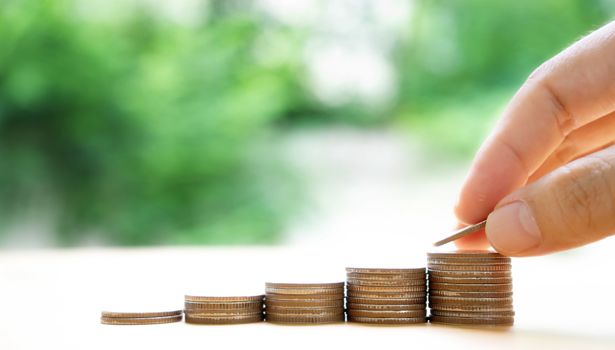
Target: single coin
<point x="413" y="271"/>
<point x="471" y="287"/>
<point x="140" y="320"/>
<point x="472" y="314"/>
<point x="304" y="311"/>
<point x="473" y="308"/>
<point x="446" y="293"/>
<point x="496" y="321"/>
<point x="469" y="261"/>
<point x="466" y="254"/>
<point x="462" y="232"/>
<point x="222" y="314"/>
<point x="436" y="301"/>
<point x="112" y="314"/>
<point x="465" y="274"/>
<point x="386" y="307"/>
<point x="224" y="320"/>
<point x="213" y="299"/>
<point x="456" y="267"/>
<point x="387" y="289"/>
<point x="385" y="295"/>
<point x="305" y="297"/>
<point x="389" y="321"/>
<point x="479" y="258"/>
<point x="257" y="305"/>
<point x="306" y="291"/>
<point x="385" y="276"/>
<point x="470" y="280"/>
<point x="304" y="319"/>
<point x="388" y="301"/>
<point x="297" y="303"/>
<point x="333" y="285"/>
<point x="387" y="314"/>
<point x="386" y="283"/>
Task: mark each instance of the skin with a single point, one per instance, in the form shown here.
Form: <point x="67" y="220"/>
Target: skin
<point x="549" y="157"/>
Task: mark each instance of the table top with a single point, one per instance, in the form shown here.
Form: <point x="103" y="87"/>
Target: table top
<point x="53" y="298"/>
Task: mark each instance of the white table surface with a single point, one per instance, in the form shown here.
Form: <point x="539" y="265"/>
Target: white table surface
<point x="52" y="299"/>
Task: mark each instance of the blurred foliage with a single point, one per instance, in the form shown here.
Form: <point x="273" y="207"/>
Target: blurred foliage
<point x="143" y="130"/>
<point x="138" y="128"/>
<point x="464" y="59"/>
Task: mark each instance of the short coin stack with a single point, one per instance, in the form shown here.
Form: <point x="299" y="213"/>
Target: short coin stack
<point x="470" y="288"/>
<point x="223" y="310"/>
<point x="140" y="318"/>
<point x="386" y="296"/>
<point x="301" y="303"/>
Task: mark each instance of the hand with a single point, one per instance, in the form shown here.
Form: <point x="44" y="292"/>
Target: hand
<point x="545" y="177"/>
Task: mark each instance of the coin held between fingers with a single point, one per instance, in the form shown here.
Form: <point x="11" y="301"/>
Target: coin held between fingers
<point x="462" y="233"/>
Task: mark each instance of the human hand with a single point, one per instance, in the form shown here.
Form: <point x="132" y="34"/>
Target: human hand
<point x="545" y="177"/>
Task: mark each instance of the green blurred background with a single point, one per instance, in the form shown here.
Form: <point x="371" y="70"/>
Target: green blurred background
<point x="158" y="122"/>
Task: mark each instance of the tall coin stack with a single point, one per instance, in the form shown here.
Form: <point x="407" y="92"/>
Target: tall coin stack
<point x="386" y="296"/>
<point x="301" y="303"/>
<point x="223" y="310"/>
<point x="470" y="288"/>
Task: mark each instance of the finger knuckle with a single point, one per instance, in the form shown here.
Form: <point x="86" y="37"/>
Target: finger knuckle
<point x="566" y="151"/>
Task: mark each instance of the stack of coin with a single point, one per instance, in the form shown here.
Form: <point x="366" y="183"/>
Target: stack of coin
<point x="223" y="310"/>
<point x="470" y="288"/>
<point x="301" y="303"/>
<point x="386" y="296"/>
<point x="140" y="318"/>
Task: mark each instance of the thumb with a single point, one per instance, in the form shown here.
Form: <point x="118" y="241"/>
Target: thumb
<point x="569" y="207"/>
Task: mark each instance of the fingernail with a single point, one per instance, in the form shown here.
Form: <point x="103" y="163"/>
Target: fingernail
<point x="512" y="229"/>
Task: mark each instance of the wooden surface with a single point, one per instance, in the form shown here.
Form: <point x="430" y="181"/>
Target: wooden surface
<point x="52" y="299"/>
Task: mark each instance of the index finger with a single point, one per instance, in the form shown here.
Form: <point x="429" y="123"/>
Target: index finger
<point x="570" y="90"/>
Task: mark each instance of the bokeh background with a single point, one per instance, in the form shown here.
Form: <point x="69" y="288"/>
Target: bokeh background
<point x="151" y="122"/>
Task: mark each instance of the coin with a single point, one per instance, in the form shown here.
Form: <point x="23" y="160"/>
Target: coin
<point x="466" y="314"/>
<point x="462" y="233"/>
<point x="385" y="276"/>
<point x="387" y="314"/>
<point x="436" y="300"/>
<point x="334" y="285"/>
<point x="465" y="274"/>
<point x="215" y="299"/>
<point x="470" y="280"/>
<point x="139" y="320"/>
<point x="446" y="293"/>
<point x="224" y="306"/>
<point x="384" y="283"/>
<point x="306" y="291"/>
<point x="496" y="321"/>
<point x="305" y="297"/>
<point x="469" y="261"/>
<point x="305" y="319"/>
<point x="389" y="289"/>
<point x="457" y="267"/>
<point x="304" y="311"/>
<point x="389" y="321"/>
<point x="413" y="271"/>
<point x="465" y="254"/>
<point x="224" y="320"/>
<point x="471" y="287"/>
<point x="112" y="314"/>
<point x="298" y="303"/>
<point x="474" y="308"/>
<point x="388" y="301"/>
<point x="386" y="307"/>
<point x="385" y="295"/>
<point x="221" y="313"/>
